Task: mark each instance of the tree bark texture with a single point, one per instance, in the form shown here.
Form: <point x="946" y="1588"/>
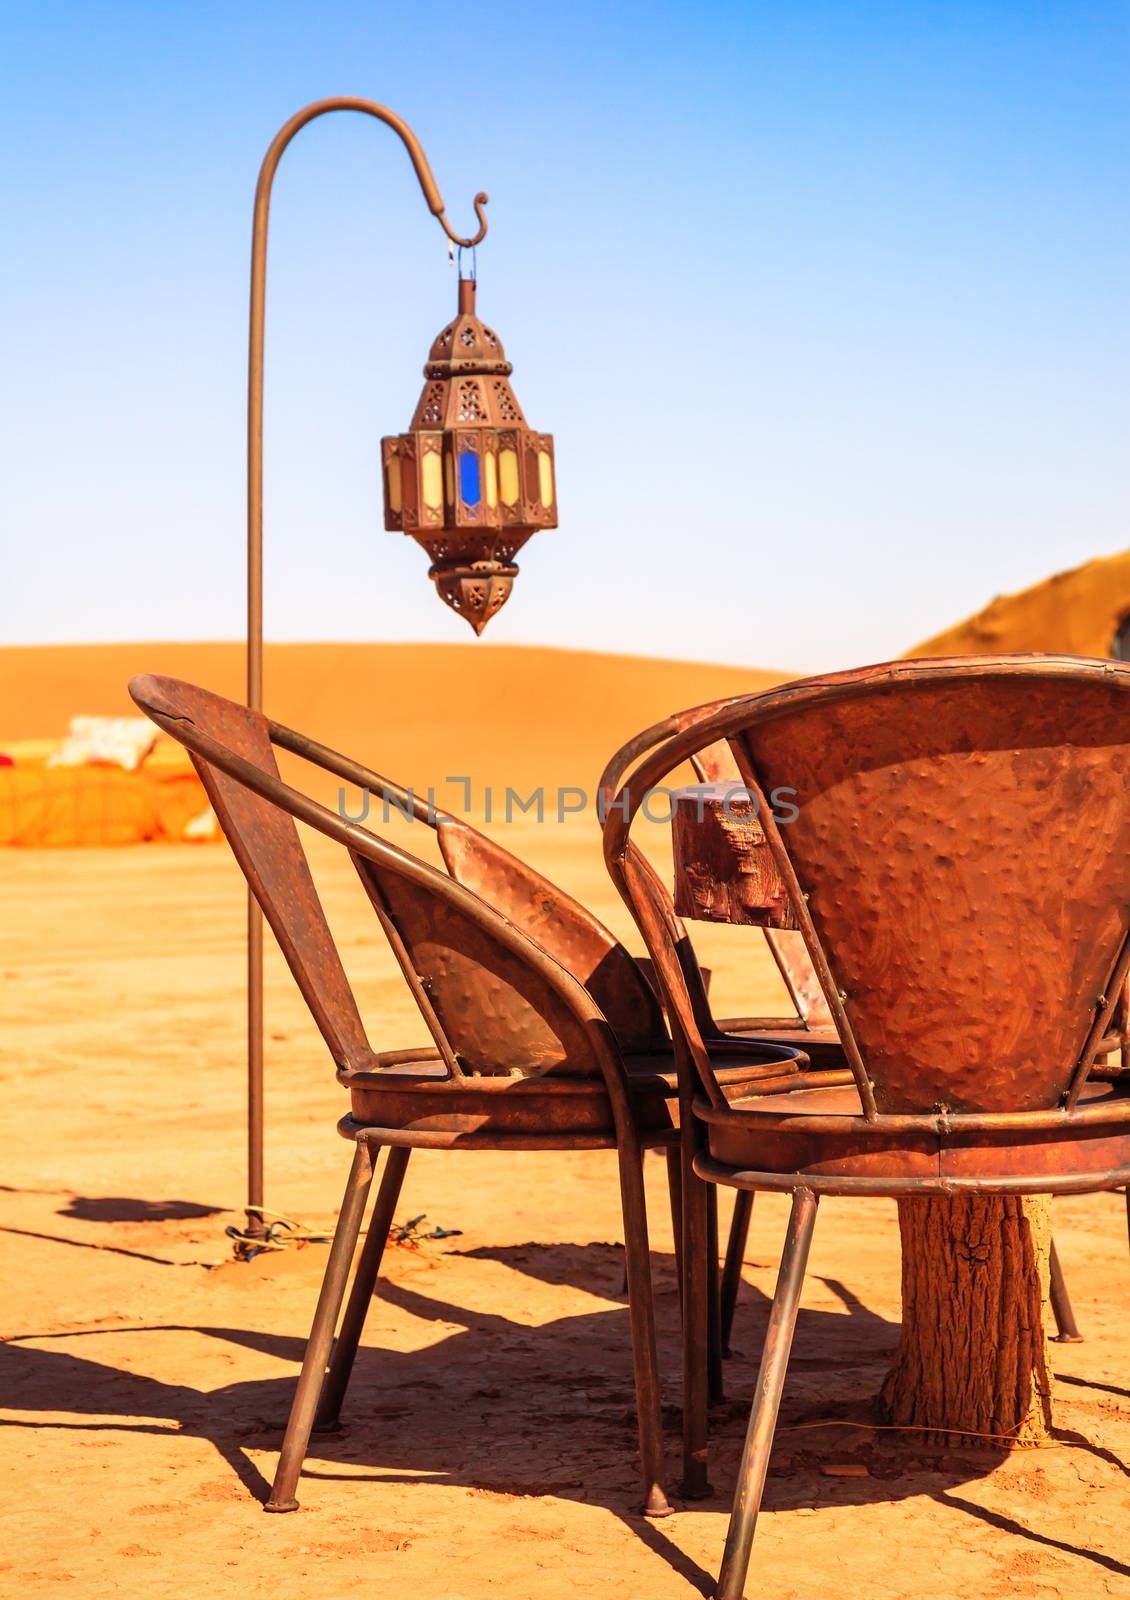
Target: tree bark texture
<point x="973" y="1356"/>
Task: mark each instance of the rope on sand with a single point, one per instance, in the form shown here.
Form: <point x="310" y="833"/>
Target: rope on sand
<point x="283" y="1231"/>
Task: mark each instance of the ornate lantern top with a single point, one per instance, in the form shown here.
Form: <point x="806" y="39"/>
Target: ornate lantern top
<point x="470" y="481"/>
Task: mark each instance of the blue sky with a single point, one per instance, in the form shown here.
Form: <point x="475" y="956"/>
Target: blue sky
<point x="825" y="306"/>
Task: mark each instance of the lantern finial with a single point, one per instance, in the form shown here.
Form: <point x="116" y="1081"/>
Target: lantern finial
<point x="476" y="592"/>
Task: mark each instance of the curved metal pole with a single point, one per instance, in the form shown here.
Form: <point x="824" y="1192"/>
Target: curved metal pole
<point x="428" y="185"/>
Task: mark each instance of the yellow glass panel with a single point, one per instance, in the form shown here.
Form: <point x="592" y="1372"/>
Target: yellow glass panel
<point x="508" y="476"/>
<point x="449" y="480"/>
<point x="392" y="469"/>
<point x="431" y="480"/>
<point x="490" y="473"/>
<point x="545" y="479"/>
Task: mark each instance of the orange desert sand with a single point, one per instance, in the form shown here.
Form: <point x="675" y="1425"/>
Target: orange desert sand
<point x="489" y="1446"/>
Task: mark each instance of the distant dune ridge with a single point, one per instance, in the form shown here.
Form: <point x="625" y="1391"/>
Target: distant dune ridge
<point x="1077" y="612"/>
<point x="516" y="715"/>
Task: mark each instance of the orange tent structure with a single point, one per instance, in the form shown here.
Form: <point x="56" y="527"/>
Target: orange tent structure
<point x="42" y="805"/>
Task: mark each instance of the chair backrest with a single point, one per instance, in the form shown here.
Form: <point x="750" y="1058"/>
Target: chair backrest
<point x="962" y="842"/>
<point x="715" y="763"/>
<point x="265" y="842"/>
<point x="562" y="926"/>
<point x="488" y="1005"/>
<point x="545" y="913"/>
<point x="494" y="1001"/>
<point x="801" y="978"/>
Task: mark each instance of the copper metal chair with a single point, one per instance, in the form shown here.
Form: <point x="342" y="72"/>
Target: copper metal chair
<point x="523" y="1056"/>
<point x="622" y="984"/>
<point x="960" y="867"/>
<point x="812" y="1028"/>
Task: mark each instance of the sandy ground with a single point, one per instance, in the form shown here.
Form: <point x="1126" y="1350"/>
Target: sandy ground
<point x="489" y="1441"/>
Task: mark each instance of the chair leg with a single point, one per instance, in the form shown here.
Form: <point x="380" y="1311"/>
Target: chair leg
<point x="361" y="1294"/>
<point x="1067" y="1330"/>
<point x="641" y="1314"/>
<point x="313" y="1372"/>
<point x="695" y="1484"/>
<point x="767" y="1398"/>
<point x="675" y="1189"/>
<point x="715" y="1387"/>
<point x="735" y="1255"/>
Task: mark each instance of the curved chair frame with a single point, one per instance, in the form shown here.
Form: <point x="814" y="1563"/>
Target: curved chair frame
<point x="713" y="763"/>
<point x="627" y="994"/>
<point x="1036" y="1138"/>
<point x="623" y="984"/>
<point x="593" y="1106"/>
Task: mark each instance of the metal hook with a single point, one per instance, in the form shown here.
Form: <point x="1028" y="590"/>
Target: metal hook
<point x="467" y="244"/>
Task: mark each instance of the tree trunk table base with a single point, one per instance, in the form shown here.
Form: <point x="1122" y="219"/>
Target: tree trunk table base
<point x="973" y="1357"/>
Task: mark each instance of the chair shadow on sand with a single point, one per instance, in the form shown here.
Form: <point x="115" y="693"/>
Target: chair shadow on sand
<point x="127" y="1208"/>
<point x="430" y="1414"/>
<point x="111" y="1209"/>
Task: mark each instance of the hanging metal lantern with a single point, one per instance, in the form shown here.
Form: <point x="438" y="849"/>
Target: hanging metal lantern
<point x="470" y="482"/>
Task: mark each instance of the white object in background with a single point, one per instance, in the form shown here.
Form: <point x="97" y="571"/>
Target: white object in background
<point x="202" y="826"/>
<point x="106" y="742"/>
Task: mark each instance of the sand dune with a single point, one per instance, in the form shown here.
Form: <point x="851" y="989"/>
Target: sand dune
<point x="512" y="714"/>
<point x="1077" y="612"/>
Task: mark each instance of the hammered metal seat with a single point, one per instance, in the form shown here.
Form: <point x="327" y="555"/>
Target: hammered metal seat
<point x="959" y="864"/>
<point x="822" y="1137"/>
<point x="411" y="1092"/>
<point x="523" y="1057"/>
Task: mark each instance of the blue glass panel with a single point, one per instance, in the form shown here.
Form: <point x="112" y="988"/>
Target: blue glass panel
<point x="469" y="477"/>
